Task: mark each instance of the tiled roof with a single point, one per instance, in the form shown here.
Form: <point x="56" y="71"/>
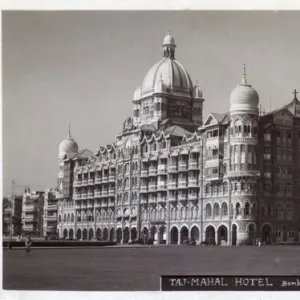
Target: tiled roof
<point x="176" y="130"/>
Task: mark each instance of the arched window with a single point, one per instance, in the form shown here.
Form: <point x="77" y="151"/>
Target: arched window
<point x="216" y="209"/>
<point x="59" y="219"/>
<point x="182" y="213"/>
<point x="126" y="183"/>
<point x="208" y="210"/>
<point x="224" y="209"/>
<point x="247" y="209"/>
<point x="225" y="187"/>
<point x="125" y="197"/>
<point x="72" y="218"/>
<point x="65" y="218"/>
<point x="192" y="212"/>
<point x="69" y="218"/>
<point x="238" y="209"/>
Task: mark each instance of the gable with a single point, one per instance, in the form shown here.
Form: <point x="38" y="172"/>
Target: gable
<point x="210" y="121"/>
<point x="283" y="117"/>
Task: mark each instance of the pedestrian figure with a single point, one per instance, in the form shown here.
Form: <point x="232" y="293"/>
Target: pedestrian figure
<point x="259" y="243"/>
<point x="28" y="243"/>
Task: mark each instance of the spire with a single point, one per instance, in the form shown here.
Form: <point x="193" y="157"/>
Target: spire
<point x="69" y="131"/>
<point x="244" y="78"/>
<point x="197" y="82"/>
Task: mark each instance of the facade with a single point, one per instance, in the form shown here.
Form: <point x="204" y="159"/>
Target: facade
<point x="33" y="213"/>
<point x="170" y="175"/>
<point x="12" y="216"/>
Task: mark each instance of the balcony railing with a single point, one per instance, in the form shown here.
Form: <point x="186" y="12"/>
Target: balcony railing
<point x="161" y="200"/>
<point x="144" y="189"/>
<point x="90" y="195"/>
<point x="152" y="187"/>
<point x="83" y="195"/>
<point x="182" y="184"/>
<point x="162" y="169"/>
<point x="182" y="166"/>
<point x="152" y="201"/>
<point x="182" y="197"/>
<point x="91" y="181"/>
<point x="84" y="182"/>
<point x="111" y="203"/>
<point x="77" y="183"/>
<point x="192" y="182"/>
<point x="104" y="179"/>
<point x="161" y="186"/>
<point x="111" y="178"/>
<point x="111" y="192"/>
<point x="104" y="204"/>
<point x="77" y="196"/>
<point x="172" y="169"/>
<point x="98" y="180"/>
<point x="97" y="194"/>
<point x="104" y="193"/>
<point x="193" y="165"/>
<point x="152" y="171"/>
<point x="192" y="196"/>
<point x="144" y="173"/>
<point x="172" y="185"/>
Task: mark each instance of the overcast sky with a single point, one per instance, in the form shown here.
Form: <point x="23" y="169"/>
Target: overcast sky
<point x="83" y="68"/>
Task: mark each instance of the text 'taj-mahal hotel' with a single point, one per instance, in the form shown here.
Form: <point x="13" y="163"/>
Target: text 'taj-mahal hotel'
<point x="170" y="175"/>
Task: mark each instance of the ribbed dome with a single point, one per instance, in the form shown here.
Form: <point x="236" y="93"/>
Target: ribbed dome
<point x="244" y="97"/>
<point x="67" y="146"/>
<point x="173" y="75"/>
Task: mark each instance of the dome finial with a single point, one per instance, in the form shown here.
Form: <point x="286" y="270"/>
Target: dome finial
<point x="169" y="46"/>
<point x="244" y="78"/>
<point x="197" y="82"/>
<point x="69" y="131"/>
<point x="169" y="32"/>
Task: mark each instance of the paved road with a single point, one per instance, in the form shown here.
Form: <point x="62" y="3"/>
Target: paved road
<point x="139" y="268"/>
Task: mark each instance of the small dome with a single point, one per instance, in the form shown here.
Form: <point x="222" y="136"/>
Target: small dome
<point x="137" y="94"/>
<point x="244" y="97"/>
<point x="169" y="40"/>
<point x="197" y="93"/>
<point x="67" y="146"/>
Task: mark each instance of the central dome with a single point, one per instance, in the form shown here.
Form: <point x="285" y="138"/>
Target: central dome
<point x="67" y="146"/>
<point x="175" y="78"/>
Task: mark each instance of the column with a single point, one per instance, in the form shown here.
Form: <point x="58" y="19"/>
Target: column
<point x="216" y="237"/>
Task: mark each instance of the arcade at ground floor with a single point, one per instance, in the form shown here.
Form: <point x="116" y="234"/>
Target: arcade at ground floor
<point x="222" y="233"/>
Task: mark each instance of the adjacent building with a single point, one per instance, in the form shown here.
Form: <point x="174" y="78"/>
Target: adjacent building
<point x="33" y="213"/>
<point x="171" y="175"/>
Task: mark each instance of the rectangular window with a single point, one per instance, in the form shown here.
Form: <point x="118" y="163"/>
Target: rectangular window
<point x="278" y="134"/>
<point x="215" y="152"/>
<point x="215" y="171"/>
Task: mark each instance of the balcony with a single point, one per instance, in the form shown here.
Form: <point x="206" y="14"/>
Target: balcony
<point x="90" y="195"/>
<point x="97" y="194"/>
<point x="104" y="179"/>
<point x="152" y="201"/>
<point x="111" y="178"/>
<point x="144" y="173"/>
<point x="29" y="207"/>
<point x="83" y="195"/>
<point x="172" y="185"/>
<point x="182" y="197"/>
<point x="241" y="173"/>
<point x="161" y="201"/>
<point x="111" y="203"/>
<point x="84" y="182"/>
<point x="182" y="166"/>
<point x="76" y="196"/>
<point x="77" y="183"/>
<point x="111" y="192"/>
<point x="104" y="204"/>
<point x="193" y="165"/>
<point x="172" y="198"/>
<point x="172" y="169"/>
<point x="143" y="201"/>
<point x="152" y="171"/>
<point x="143" y="189"/>
<point x="30" y="218"/>
<point x="51" y="218"/>
<point x="51" y="207"/>
<point x="161" y="186"/>
<point x="152" y="187"/>
<point x="193" y="182"/>
<point x="162" y="169"/>
<point x="193" y="196"/>
<point x="104" y="193"/>
<point x="98" y="180"/>
<point x="90" y="181"/>
<point x="182" y="184"/>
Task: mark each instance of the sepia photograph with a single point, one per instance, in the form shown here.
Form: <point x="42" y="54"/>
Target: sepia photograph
<point x="150" y="150"/>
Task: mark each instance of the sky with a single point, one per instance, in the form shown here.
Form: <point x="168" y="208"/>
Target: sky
<point x="83" y="68"/>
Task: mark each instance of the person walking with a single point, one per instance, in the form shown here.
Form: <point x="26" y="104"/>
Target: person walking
<point x="259" y="243"/>
<point x="28" y="244"/>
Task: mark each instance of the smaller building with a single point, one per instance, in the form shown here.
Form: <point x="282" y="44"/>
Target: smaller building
<point x="32" y="213"/>
<point x="52" y="197"/>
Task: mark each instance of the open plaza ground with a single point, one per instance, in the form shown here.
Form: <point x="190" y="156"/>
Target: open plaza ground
<point x="138" y="268"/>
